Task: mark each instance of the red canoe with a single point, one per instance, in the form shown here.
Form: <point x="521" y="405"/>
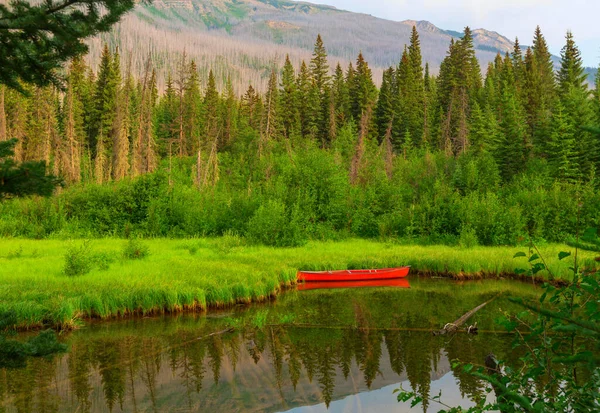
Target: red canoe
<point x="353" y="275"/>
<point x="311" y="285"/>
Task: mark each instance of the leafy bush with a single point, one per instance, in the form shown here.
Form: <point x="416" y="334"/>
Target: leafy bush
<point x="273" y="225"/>
<point x="134" y="249"/>
<point x="78" y="260"/>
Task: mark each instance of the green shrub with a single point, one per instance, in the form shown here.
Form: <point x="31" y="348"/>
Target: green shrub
<point x="78" y="260"/>
<point x="273" y="225"/>
<point x="468" y="237"/>
<point x="134" y="249"/>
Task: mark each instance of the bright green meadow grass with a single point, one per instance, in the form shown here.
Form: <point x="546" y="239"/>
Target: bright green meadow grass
<point x="198" y="274"/>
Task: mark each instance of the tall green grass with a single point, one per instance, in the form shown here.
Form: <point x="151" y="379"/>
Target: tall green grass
<point x="198" y="274"/>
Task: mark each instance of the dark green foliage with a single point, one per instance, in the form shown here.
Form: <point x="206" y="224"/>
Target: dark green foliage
<point x="14" y="354"/>
<point x="37" y="38"/>
<point x="273" y="224"/>
<point x="26" y="178"/>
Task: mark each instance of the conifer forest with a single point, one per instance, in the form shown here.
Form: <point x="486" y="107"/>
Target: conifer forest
<point x="479" y="157"/>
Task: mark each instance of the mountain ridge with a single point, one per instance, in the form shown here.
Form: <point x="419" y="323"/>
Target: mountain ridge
<point x="244" y="39"/>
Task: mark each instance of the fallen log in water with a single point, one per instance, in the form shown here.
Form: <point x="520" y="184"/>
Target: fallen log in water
<point x="453" y="327"/>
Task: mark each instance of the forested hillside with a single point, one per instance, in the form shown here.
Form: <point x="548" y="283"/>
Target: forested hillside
<point x="243" y="38"/>
<point x="462" y="157"/>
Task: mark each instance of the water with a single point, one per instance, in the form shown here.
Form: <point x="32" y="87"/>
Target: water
<point x="310" y="351"/>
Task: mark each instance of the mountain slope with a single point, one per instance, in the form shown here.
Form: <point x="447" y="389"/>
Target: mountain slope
<point x="244" y="38"/>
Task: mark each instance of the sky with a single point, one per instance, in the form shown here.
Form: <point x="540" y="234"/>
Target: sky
<point x="511" y="18"/>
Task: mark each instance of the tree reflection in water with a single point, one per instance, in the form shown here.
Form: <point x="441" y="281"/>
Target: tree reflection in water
<point x="175" y="364"/>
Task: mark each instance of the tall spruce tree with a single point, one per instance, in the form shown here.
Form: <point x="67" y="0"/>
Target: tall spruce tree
<point x="363" y="91"/>
<point x="211" y="107"/>
<point x="384" y="113"/>
<point x="539" y="90"/>
<point x="230" y="113"/>
<point x="459" y="84"/>
<point x="562" y="154"/>
<point x="321" y="82"/>
<point x="574" y="96"/>
<point x="289" y="100"/>
<point x="414" y="101"/>
<point x="193" y="107"/>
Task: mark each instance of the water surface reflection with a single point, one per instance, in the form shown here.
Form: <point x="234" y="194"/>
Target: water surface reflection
<point x="345" y="350"/>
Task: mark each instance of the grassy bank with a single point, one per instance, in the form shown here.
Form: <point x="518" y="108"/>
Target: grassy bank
<point x="204" y="273"/>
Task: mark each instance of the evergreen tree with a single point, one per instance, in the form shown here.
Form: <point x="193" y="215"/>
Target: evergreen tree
<point x="363" y="91"/>
<point x="250" y="107"/>
<point x="166" y="118"/>
<point x="122" y="129"/>
<point x="289" y="99"/>
<point x="271" y="114"/>
<point x="319" y="72"/>
<point x="414" y="100"/>
<point x="211" y="105"/>
<point x="307" y="102"/>
<point x="571" y="73"/>
<point x="342" y="97"/>
<point x="561" y="146"/>
<point x="230" y="113"/>
<point x="459" y="84"/>
<point x="384" y="113"/>
<point x="192" y="103"/>
<point x="105" y="105"/>
<point x="518" y="65"/>
<point x="539" y="90"/>
<point x="574" y="96"/>
<point x="21" y="179"/>
<point x="36" y="38"/>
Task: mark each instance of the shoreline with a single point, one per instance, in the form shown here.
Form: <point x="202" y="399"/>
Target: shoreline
<point x="202" y="275"/>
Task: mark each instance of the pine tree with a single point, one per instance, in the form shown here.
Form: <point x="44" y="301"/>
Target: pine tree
<point x="230" y="114"/>
<point x="107" y="85"/>
<point x="307" y="102"/>
<point x="510" y="150"/>
<point x="211" y="108"/>
<point x="363" y="91"/>
<point x="192" y="102"/>
<point x="319" y="72"/>
<point x="539" y="90"/>
<point x="289" y="99"/>
<point x="459" y="85"/>
<point x="271" y="116"/>
<point x="342" y="97"/>
<point x="415" y="98"/>
<point x="571" y="72"/>
<point x="74" y="122"/>
<point x="518" y="65"/>
<point x="561" y="146"/>
<point x="250" y="107"/>
<point x="181" y="83"/>
<point x="384" y="113"/>
<point x="122" y="129"/>
<point x="574" y="96"/>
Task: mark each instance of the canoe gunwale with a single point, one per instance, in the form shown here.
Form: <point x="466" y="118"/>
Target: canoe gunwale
<point x="353" y="275"/>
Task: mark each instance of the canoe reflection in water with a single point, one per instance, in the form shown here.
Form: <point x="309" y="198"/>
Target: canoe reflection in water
<point x="398" y="283"/>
